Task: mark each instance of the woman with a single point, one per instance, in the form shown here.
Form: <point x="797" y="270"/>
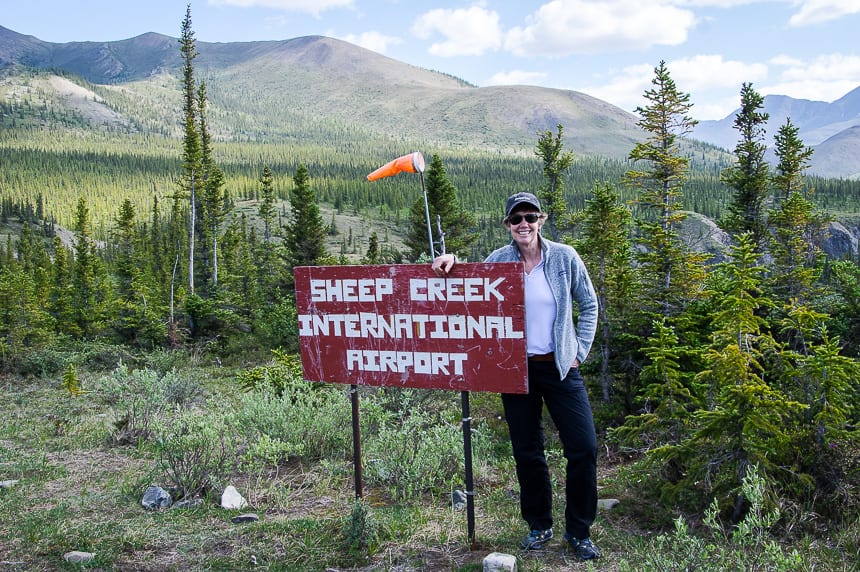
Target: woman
<point x="555" y="280"/>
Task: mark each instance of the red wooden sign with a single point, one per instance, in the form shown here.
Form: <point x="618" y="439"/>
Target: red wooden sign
<point x="402" y="325"/>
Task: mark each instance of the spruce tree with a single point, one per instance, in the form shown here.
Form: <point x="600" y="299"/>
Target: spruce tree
<point x="671" y="273"/>
<point x="305" y="234"/>
<point x="749" y="175"/>
<point x="607" y="251"/>
<point x="555" y="164"/>
<point x="845" y="306"/>
<point x="267" y="204"/>
<point x="177" y="237"/>
<point x="191" y="159"/>
<point x="24" y="322"/>
<point x="829" y="381"/>
<point x="84" y="272"/>
<point x="793" y="159"/>
<point x="26" y="246"/>
<point x="798" y="227"/>
<point x="747" y="419"/>
<point x="213" y="209"/>
<point x="155" y="245"/>
<point x="372" y="255"/>
<point x="125" y="238"/>
<point x="667" y="400"/>
<point x="134" y="313"/>
<point x="61" y="294"/>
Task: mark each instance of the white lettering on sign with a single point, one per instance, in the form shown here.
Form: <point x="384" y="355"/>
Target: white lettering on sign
<point x="454" y="289"/>
<point x="429" y="363"/>
<point x="351" y="290"/>
<point x="409" y="326"/>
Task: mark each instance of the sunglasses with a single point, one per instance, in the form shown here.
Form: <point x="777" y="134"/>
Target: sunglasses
<point x="515" y="219"/>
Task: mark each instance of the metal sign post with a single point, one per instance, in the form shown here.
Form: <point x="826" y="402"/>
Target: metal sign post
<point x="356" y="442"/>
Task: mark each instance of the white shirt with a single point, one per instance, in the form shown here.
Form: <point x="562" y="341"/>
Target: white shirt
<point x="540" y="312"/>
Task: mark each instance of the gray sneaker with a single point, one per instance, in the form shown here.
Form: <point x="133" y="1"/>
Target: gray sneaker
<point x="536" y="539"/>
<point x="583" y="549"/>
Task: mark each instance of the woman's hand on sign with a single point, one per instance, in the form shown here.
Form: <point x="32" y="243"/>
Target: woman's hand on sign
<point x="444" y="263"/>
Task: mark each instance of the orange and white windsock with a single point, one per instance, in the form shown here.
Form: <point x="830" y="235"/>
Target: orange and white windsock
<point x="411" y="163"/>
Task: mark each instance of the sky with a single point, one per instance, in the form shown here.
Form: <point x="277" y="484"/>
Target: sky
<point x="806" y="49"/>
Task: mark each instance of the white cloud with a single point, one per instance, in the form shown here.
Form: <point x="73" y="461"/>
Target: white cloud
<point x="563" y="27"/>
<point x="714" y="84"/>
<point x="784" y="60"/>
<point x="701" y="72"/>
<point x="824" y="78"/>
<point x="372" y="41"/>
<point x="716" y="3"/>
<point x="818" y="11"/>
<point x="717" y="108"/>
<point x="468" y="31"/>
<point x="826" y="67"/>
<point x="315" y="7"/>
<point x="516" y="77"/>
<point x="624" y="88"/>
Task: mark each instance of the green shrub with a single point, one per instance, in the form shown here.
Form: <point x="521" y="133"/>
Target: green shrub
<point x="50" y="359"/>
<point x="415" y="456"/>
<point x="193" y="452"/>
<point x="102" y="355"/>
<point x="308" y="421"/>
<point x="285" y="372"/>
<point x="208" y="318"/>
<point x="164" y="360"/>
<point x="137" y="398"/>
<point x="360" y="533"/>
<point x="277" y="326"/>
<point x="177" y="389"/>
<point x="747" y="548"/>
<point x="42" y="362"/>
<point x="267" y="452"/>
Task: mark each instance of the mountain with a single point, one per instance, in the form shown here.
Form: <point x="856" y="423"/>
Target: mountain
<point x="263" y="90"/>
<point x="316" y="88"/>
<point x="831" y="129"/>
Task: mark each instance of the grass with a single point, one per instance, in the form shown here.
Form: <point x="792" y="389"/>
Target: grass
<point x="77" y="490"/>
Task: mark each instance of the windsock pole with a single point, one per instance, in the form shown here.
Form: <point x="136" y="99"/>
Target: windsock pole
<point x="427" y="216"/>
<point x="409" y="163"/>
<point x="414" y="163"/>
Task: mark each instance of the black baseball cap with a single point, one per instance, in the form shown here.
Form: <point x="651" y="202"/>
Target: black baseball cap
<point x="520" y="198"/>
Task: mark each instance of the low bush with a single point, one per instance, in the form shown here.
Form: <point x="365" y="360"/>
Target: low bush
<point x="414" y="456"/>
<point x="193" y="452"/>
<point x="360" y="533"/>
<point x="305" y="421"/>
<point x="746" y="548"/>
<point x="41" y="362"/>
<point x="139" y="397"/>
<point x="284" y="373"/>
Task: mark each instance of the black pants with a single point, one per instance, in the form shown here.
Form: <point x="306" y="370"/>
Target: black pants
<point x="567" y="403"/>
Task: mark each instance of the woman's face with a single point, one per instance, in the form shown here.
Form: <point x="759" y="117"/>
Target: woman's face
<point x="523" y="232"/>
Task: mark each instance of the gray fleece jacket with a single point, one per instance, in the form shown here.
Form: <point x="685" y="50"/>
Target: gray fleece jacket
<point x="569" y="281"/>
